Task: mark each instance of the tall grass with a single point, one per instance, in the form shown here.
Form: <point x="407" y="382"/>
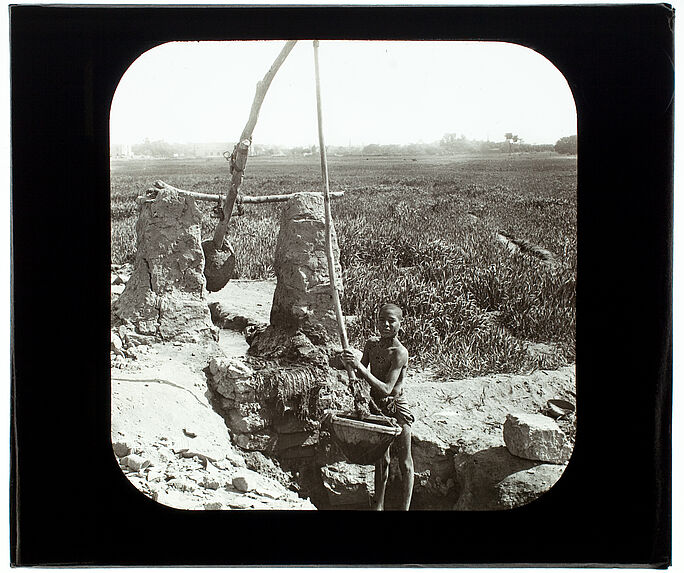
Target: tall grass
<point x="407" y="235"/>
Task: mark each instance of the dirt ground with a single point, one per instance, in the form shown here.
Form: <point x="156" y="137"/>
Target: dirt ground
<point x="160" y="407"/>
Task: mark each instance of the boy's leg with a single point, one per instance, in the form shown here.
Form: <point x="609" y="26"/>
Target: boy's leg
<point x="381" y="475"/>
<point x="405" y="465"/>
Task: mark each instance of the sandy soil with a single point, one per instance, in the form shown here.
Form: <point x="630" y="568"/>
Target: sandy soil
<point x="161" y="412"/>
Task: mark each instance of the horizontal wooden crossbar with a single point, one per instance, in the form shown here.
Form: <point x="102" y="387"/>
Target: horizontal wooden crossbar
<point x="244" y="199"/>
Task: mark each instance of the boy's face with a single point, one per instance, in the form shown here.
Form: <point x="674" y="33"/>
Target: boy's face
<point x="389" y="323"/>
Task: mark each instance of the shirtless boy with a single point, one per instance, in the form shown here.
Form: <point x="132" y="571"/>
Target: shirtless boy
<point x="388" y="358"/>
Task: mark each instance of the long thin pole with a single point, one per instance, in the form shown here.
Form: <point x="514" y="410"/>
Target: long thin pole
<point x="328" y="227"/>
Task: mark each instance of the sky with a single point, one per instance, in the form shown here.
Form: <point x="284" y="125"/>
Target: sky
<point x="372" y="92"/>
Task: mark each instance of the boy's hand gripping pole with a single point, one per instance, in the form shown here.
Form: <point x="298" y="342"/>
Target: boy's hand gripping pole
<point x="328" y="227"/>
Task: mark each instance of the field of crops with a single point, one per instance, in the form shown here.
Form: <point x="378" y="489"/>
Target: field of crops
<point x="420" y="232"/>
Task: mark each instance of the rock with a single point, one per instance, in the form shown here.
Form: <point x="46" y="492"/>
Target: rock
<point x="134" y="462"/>
<point x="181" y="484"/>
<point x="245" y="482"/>
<point x="348" y="484"/>
<point x="117" y="345"/>
<point x="133" y="352"/>
<point x="241" y="503"/>
<point x="134" y="339"/>
<point x="302" y="299"/>
<point x="210" y="483"/>
<point x="233" y="379"/>
<point x="430" y="453"/>
<point x="272" y="491"/>
<point x="213" y="505"/>
<point x="265" y="466"/>
<point x="536" y="437"/>
<point x="121" y="449"/>
<point x="494" y="479"/>
<point x="226" y="319"/>
<point x="260" y="442"/>
<point x="166" y="294"/>
<point x="248" y="418"/>
<point x="525" y="486"/>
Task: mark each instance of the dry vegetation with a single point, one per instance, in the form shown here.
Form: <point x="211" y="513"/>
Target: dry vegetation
<point x="419" y="232"/>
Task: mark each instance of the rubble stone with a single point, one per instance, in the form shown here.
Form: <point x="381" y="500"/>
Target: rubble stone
<point x="181" y="484"/>
<point x="260" y="442"/>
<point x="135" y="462"/>
<point x="348" y="484"/>
<point x="245" y="482"/>
<point x="117" y="345"/>
<point x="494" y="479"/>
<point x="210" y="483"/>
<point x="536" y="437"/>
<point x="121" y="449"/>
<point x="525" y="486"/>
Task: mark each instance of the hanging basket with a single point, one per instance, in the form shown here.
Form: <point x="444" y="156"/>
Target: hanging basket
<point x="363" y="440"/>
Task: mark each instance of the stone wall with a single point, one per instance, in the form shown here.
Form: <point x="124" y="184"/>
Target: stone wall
<point x="275" y="409"/>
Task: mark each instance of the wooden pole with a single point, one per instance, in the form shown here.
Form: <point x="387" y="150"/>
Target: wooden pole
<point x="238" y="160"/>
<point x="328" y="227"/>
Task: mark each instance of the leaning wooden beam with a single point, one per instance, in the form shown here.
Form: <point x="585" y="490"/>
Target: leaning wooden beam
<point x="244" y="199"/>
<point x="238" y="159"/>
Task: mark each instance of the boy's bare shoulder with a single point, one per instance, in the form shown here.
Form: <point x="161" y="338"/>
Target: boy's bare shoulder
<point x="400" y="353"/>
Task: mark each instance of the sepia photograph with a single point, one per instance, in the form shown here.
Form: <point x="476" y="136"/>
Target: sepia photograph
<point x="333" y="286"/>
<point x="343" y="275"/>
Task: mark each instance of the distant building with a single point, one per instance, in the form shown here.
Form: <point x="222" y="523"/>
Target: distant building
<point x="121" y="150"/>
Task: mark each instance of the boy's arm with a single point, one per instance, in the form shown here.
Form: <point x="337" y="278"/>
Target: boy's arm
<point x="398" y="361"/>
<point x="365" y="359"/>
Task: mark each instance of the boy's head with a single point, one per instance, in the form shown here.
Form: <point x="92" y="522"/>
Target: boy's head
<point x="389" y="320"/>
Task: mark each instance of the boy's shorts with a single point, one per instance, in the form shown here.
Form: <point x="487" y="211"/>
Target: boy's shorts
<point x="396" y="407"/>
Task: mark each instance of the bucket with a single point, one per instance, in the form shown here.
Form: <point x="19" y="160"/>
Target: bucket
<point x="363" y="440"/>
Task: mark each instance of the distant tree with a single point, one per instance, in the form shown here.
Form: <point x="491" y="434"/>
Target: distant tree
<point x="566" y="145"/>
<point x="157" y="148"/>
<point x="371" y="149"/>
<point x="509" y="136"/>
